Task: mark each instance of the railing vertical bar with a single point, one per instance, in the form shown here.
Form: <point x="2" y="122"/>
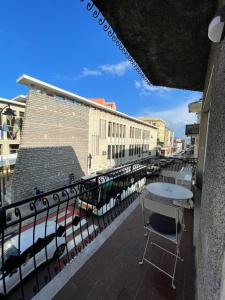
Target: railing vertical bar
<point x="33" y="207"/>
<point x="18" y="214"/>
<point x="46" y="203"/>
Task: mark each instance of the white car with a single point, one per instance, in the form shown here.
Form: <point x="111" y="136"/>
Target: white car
<point x="54" y="243"/>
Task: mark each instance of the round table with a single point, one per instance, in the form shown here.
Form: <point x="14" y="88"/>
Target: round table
<point x="169" y="191"/>
<point x="170" y="194"/>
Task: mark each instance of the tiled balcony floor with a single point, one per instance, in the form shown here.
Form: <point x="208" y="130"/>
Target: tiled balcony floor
<point x="113" y="271"/>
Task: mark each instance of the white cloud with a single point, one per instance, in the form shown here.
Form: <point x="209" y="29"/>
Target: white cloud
<point x="176" y="117"/>
<point x="147" y="89"/>
<point x="117" y="69"/>
<point x="90" y="72"/>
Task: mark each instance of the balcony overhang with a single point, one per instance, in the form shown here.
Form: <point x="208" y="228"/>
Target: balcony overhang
<point x="168" y="39"/>
<point x="195" y="107"/>
<point x="192" y="129"/>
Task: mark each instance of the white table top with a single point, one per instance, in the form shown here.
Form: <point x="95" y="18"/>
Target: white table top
<point x="169" y="191"/>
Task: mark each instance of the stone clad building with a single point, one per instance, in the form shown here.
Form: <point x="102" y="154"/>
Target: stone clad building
<point x="66" y="134"/>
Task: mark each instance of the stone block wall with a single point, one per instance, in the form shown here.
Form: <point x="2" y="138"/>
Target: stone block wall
<point x="54" y="144"/>
<point x="210" y="245"/>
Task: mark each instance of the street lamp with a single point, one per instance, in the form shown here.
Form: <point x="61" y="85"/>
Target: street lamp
<point x="89" y="160"/>
<point x="8" y="112"/>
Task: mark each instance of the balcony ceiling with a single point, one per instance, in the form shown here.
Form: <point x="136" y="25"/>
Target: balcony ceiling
<point x="168" y="39"/>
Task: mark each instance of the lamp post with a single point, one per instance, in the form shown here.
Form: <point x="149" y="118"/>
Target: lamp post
<point x="8" y="112"/>
<point x="89" y="160"/>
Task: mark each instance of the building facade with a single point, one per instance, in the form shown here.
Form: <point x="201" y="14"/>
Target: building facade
<point x="192" y="130"/>
<point x="10" y="128"/>
<point x="66" y="134"/>
<point x="115" y="139"/>
<point x="165" y="136"/>
<point x="167" y="150"/>
<point x="160" y="124"/>
<point x="178" y="145"/>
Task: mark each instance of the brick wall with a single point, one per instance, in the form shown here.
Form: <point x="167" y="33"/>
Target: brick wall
<point x="54" y="144"/>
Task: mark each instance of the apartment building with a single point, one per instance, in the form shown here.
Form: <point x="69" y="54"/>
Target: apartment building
<point x="10" y="127"/>
<point x="102" y="101"/>
<point x="115" y="139"/>
<point x="165" y="136"/>
<point x="65" y="134"/>
<point x="160" y="124"/>
<point x="167" y="150"/>
<point x="179" y="145"/>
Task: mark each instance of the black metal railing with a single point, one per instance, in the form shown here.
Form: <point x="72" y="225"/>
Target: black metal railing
<point x="5" y="184"/>
<point x="45" y="232"/>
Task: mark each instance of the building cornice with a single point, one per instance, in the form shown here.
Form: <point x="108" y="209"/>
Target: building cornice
<point x="12" y="102"/>
<point x="55" y="91"/>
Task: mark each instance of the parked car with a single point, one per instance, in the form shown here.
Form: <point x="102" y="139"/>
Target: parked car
<point x="163" y="162"/>
<point x="24" y="257"/>
<point x="153" y="170"/>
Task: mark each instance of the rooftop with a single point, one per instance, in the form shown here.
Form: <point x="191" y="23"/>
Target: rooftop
<point x="13" y="101"/>
<point x="152" y="119"/>
<point x="102" y="101"/>
<point x="52" y="90"/>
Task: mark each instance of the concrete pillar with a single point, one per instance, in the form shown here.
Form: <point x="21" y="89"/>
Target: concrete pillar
<point x="201" y="148"/>
<point x="211" y="242"/>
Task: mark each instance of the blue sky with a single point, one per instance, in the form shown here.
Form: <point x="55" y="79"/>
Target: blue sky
<point x="61" y="43"/>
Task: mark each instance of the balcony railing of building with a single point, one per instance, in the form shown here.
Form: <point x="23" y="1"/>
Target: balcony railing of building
<point x="40" y="235"/>
<point x="11" y="131"/>
<point x="192" y="129"/>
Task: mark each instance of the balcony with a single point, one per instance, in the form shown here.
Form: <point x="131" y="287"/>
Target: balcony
<point x="96" y="240"/>
<point x="192" y="129"/>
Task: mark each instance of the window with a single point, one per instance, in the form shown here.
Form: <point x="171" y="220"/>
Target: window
<point x="21" y="114"/>
<point x="117" y="130"/>
<point x="95" y="144"/>
<point x="114" y="130"/>
<point x="109" y="152"/>
<point x="10" y="124"/>
<point x="117" y="151"/>
<point x="132" y="132"/>
<point x="124" y="131"/>
<point x="102" y="129"/>
<point x="121" y="130"/>
<point x="123" y="150"/>
<point x="109" y="129"/>
<point x="120" y="153"/>
<point x="113" y="151"/>
<point x="146" y="134"/>
<point x="13" y="148"/>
